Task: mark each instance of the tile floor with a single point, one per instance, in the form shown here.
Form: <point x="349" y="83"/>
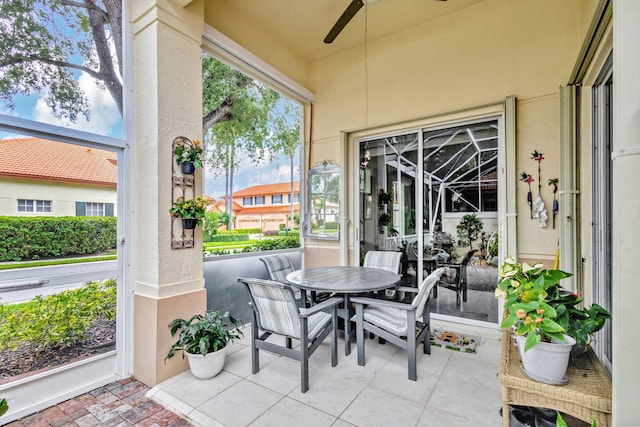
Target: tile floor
<point x="453" y="389"/>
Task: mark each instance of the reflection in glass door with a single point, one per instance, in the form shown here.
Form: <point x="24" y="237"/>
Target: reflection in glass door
<point x="420" y="191"/>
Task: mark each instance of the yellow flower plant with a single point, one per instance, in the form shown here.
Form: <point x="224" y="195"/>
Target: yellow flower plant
<point x="527" y="291"/>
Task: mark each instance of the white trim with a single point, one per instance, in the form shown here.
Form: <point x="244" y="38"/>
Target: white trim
<point x="235" y="55"/>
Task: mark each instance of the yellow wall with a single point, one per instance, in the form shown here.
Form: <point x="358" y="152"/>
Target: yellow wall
<point x="63" y="196"/>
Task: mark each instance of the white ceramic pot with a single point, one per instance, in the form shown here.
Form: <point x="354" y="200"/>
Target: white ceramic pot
<point x="205" y="367"/>
<point x="546" y="362"/>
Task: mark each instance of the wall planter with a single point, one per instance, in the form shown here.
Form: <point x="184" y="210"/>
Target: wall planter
<point x="187" y="168"/>
<point x="546" y="362"/>
<point x="189" y="223"/>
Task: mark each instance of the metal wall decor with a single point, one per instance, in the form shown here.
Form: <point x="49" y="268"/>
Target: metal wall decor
<point x="182" y="185"/>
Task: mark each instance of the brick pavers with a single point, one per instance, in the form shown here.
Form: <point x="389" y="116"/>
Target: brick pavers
<point x="121" y="403"/>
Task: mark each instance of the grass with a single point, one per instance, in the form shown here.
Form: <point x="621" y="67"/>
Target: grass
<point x="44" y="263"/>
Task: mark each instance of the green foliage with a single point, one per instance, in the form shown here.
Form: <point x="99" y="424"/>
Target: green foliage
<point x="38" y="237"/>
<point x="274" y="244"/>
<point x="469" y="228"/>
<point x="580" y="323"/>
<point x="210" y="225"/>
<point x="229" y="237"/>
<point x="186" y="153"/>
<point x="190" y="208"/>
<point x="244" y="231"/>
<point x="44" y="43"/>
<point x="203" y="334"/>
<point x="57" y="320"/>
<point x="4" y="406"/>
<point x="529" y="308"/>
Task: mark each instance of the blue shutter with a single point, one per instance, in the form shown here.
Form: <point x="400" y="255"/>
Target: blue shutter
<point x="108" y="209"/>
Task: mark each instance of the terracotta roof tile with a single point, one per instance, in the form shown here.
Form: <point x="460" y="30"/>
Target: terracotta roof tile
<point x="268" y="189"/>
<point x="57" y="161"/>
<point x="265" y="209"/>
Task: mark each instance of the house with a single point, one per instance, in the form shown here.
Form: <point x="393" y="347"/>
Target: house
<point x="265" y="206"/>
<point x="41" y="177"/>
<point x="547" y="76"/>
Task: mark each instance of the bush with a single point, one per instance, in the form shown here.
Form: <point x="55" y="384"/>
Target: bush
<point x="224" y="237"/>
<point x="57" y="320"/>
<point x="274" y="244"/>
<point x="245" y="231"/>
<point x="271" y="233"/>
<point x="40" y="237"/>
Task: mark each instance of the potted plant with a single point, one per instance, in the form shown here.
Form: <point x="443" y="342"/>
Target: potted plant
<point x="188" y="154"/>
<point x="191" y="211"/>
<point x="580" y="323"/>
<point x="204" y="339"/>
<point x="528" y="292"/>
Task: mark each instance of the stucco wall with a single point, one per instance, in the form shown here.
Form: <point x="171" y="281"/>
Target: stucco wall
<point x="63" y="196"/>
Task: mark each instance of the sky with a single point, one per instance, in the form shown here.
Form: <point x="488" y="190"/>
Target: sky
<point x="105" y="120"/>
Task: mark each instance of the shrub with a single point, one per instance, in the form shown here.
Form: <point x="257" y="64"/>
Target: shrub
<point x="224" y="237"/>
<point x="40" y="237"/>
<point x="246" y="231"/>
<point x="271" y="233"/>
<point x="274" y="244"/>
<point x="60" y="320"/>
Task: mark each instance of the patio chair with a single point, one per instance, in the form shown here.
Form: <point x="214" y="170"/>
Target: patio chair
<point x="398" y="322"/>
<point x="385" y="260"/>
<point x="275" y="311"/>
<point x="278" y="266"/>
<point x="455" y="278"/>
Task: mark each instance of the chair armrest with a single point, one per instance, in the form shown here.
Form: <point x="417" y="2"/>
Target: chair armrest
<point x="328" y="303"/>
<point x="382" y="303"/>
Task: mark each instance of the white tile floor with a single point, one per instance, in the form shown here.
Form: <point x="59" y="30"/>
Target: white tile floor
<point x="453" y="389"/>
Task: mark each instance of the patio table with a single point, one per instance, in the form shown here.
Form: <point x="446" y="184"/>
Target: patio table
<point x="346" y="281"/>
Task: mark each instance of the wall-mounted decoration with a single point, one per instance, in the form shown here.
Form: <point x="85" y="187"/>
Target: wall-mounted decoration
<point x="554" y="210"/>
<point x="525" y="177"/>
<point x="187" y="209"/>
<point x="188" y="154"/>
<point x="539" y="211"/>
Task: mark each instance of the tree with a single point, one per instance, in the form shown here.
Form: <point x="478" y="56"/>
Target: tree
<point x="46" y="44"/>
<point x="469" y="228"/>
<point x="243" y="117"/>
<point x="285" y="138"/>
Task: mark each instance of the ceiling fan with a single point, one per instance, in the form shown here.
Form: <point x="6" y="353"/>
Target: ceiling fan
<point x="347" y="15"/>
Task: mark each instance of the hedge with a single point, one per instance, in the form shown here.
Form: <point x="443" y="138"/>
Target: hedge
<point x="59" y="320"/>
<point x="40" y="237"/>
<point x="229" y="238"/>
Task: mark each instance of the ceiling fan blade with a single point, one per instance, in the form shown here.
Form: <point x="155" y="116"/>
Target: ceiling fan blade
<point x="344" y="19"/>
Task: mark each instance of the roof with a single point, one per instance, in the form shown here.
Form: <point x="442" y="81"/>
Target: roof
<point x="39" y="158"/>
<point x="268" y="189"/>
<point x="267" y="209"/>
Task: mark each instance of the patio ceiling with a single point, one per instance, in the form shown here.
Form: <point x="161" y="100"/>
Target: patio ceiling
<point x="302" y="25"/>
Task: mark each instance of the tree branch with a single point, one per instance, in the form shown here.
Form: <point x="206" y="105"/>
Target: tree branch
<point x="36" y="58"/>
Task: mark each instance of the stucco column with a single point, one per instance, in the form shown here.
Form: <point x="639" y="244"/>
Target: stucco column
<point x="168" y="93"/>
<point x="626" y="206"/>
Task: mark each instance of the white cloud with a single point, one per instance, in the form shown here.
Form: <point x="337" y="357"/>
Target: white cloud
<point x="104" y="112"/>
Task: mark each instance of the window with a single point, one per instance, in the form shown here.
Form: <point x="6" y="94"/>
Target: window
<point x="276" y="199"/>
<point x="260" y="200"/>
<point x="94" y="209"/>
<point x="34" y="205"/>
<point x="323" y="204"/>
<point x="296" y="198"/>
<point x="247" y="201"/>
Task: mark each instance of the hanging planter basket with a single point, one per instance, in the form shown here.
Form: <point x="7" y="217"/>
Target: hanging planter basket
<point x="189" y="223"/>
<point x="187" y="168"/>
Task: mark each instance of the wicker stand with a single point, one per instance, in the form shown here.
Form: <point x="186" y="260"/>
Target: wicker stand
<point x="586" y="395"/>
